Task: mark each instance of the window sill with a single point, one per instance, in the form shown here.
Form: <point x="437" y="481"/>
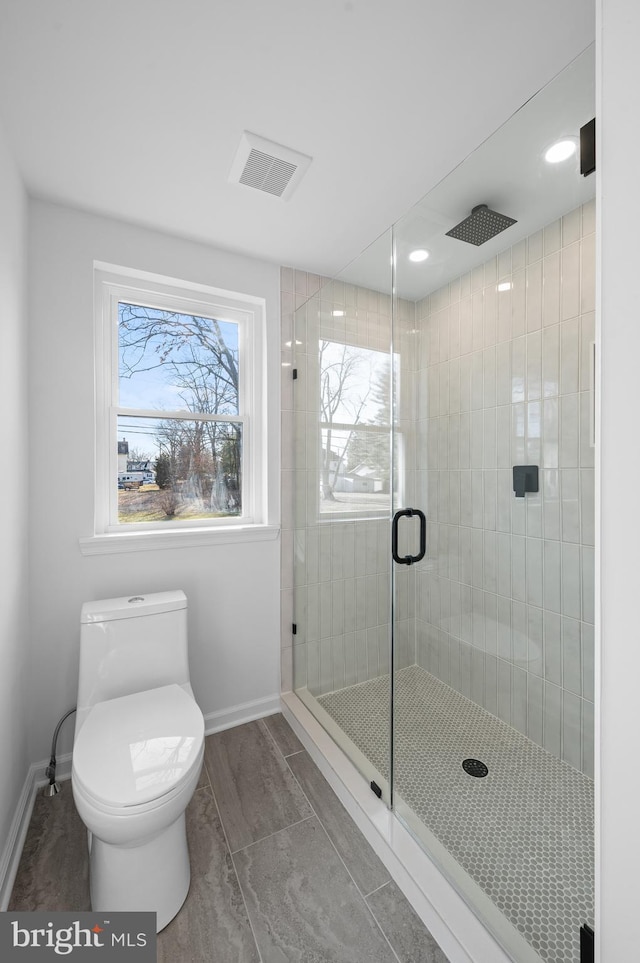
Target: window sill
<point x="117" y="542"/>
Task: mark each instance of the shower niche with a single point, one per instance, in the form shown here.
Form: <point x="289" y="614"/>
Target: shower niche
<point x="444" y="625"/>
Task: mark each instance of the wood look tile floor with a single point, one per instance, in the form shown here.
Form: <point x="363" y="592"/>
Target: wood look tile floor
<point x="279" y="870"/>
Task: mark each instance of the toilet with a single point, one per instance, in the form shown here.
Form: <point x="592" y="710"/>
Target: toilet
<point x="138" y="751"/>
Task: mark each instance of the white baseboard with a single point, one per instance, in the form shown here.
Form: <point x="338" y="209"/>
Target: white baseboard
<point x="237" y="715"/>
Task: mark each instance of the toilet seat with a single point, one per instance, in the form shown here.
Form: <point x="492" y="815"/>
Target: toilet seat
<point x="134" y="753"/>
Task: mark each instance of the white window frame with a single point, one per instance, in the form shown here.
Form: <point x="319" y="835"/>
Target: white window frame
<point x="113" y="284"/>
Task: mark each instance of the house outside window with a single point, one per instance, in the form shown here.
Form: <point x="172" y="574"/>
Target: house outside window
<point x="179" y="385"/>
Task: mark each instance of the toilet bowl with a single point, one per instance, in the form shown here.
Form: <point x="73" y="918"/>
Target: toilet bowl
<point x="137" y="753"/>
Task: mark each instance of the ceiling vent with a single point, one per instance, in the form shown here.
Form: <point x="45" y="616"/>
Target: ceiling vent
<point x="267" y="166"/>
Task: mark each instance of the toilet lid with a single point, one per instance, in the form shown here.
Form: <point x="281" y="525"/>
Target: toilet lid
<point x="138" y="747"/>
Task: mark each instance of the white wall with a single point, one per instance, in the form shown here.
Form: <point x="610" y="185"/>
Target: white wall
<point x="14" y="615"/>
<point x="233" y="590"/>
<point x="619" y="534"/>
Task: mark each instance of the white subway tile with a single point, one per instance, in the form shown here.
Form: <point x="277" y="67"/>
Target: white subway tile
<point x="551" y="289"/>
<point x="570" y="288"/>
<point x="519" y="255"/>
<point x="552" y="724"/>
<point x="534" y="296"/>
<point x="587" y="449"/>
<point x="551" y="361"/>
<point x="504" y="496"/>
<point x="552" y="648"/>
<point x="477" y="614"/>
<point x="571" y="656"/>
<point x="518" y="568"/>
<point x="535" y="653"/>
<point x="588" y="286"/>
<point x="503" y="543"/>
<point x="519" y="699"/>
<point x="490" y="481"/>
<point x="477" y="676"/>
<point x="504" y="691"/>
<point x="571" y="729"/>
<point x="504" y="628"/>
<point x="505" y="306"/>
<point x="465" y="383"/>
<point x="477" y="328"/>
<point x="518" y="369"/>
<point x="588" y="727"/>
<point x="515" y="301"/>
<point x="534" y="247"/>
<point x="535" y="709"/>
<point x="571" y="602"/>
<point x="550" y="433"/>
<point x="588" y="659"/>
<point x="552" y="576"/>
<point x="490" y="623"/>
<point x="477" y="387"/>
<point x="534" y="366"/>
<point x="569" y="481"/>
<point x="491" y="684"/>
<point x="571" y="226"/>
<point x="569" y="356"/>
<point x="518" y="515"/>
<point x="550" y="482"/>
<point x="569" y="431"/>
<point x="588" y="577"/>
<point x="533" y="502"/>
<point x="504" y="264"/>
<point x="534" y="433"/>
<point x="518" y="433"/>
<point x="490" y="320"/>
<point x="534" y="549"/>
<point x="587" y="338"/>
<point x="552" y="237"/>
<point x="489" y="377"/>
<point x="477" y="438"/>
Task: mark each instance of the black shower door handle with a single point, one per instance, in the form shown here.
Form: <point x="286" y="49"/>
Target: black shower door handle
<point x="408" y="559"/>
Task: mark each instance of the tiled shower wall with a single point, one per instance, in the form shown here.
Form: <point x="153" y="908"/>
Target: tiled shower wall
<point x="340" y="601"/>
<point x="505" y="597"/>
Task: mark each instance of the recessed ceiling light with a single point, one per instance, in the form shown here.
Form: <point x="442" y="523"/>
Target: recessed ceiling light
<point x="419" y="255"/>
<point x="560" y="151"/>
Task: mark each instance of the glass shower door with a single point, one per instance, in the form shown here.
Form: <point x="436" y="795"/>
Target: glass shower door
<point x="493" y="669"/>
<point x="343" y="431"/>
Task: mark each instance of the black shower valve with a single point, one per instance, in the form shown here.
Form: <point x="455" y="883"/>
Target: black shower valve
<point x="525" y="479"/>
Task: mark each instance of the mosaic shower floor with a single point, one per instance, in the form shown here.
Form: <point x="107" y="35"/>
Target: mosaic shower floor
<point x="523" y="833"/>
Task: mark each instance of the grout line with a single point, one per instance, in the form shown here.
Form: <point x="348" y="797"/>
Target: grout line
<point x="271" y="736"/>
<point x="296" y="753"/>
<point x="339" y="855"/>
<point x="235" y="870"/>
<point x="255" y="842"/>
<point x="378" y="888"/>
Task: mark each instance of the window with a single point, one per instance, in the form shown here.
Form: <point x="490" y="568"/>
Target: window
<point x="179" y="383"/>
<point x="355" y="429"/>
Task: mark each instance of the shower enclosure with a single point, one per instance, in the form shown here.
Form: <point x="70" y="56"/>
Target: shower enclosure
<point x="444" y="615"/>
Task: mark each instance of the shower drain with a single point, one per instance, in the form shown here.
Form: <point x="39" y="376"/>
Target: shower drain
<point x="474" y="767"/>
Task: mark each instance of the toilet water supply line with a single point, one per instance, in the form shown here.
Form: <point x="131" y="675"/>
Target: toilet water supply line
<point x="53" y="788"/>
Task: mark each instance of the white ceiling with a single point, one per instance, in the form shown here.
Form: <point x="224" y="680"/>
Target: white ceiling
<point x="509" y="173"/>
<point x="135" y="108"/>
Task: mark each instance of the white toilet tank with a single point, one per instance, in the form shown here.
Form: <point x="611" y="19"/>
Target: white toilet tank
<point x="131" y="644"/>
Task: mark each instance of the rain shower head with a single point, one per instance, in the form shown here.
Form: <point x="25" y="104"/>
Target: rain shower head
<point x="481" y="225"/>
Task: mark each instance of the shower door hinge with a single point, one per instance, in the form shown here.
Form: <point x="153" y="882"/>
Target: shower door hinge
<point x="376" y="789"/>
<point x="294" y="629"/>
<point x="587" y="944"/>
<point x="294" y="374"/>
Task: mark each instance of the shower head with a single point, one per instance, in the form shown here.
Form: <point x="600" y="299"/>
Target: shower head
<point x="481" y="225"/>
